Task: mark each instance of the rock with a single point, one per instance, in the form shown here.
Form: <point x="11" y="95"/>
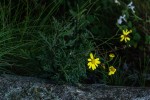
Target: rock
<point x="29" y="88"/>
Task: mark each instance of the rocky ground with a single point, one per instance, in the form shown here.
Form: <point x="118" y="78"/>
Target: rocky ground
<point x="29" y="88"/>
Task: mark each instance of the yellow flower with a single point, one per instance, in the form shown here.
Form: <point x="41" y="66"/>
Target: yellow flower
<point x="111" y="55"/>
<point x="112" y="70"/>
<point x="93" y="63"/>
<point x="125" y="36"/>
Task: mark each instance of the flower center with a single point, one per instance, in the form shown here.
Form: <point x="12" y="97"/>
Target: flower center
<point x="112" y="69"/>
<point x="125" y="36"/>
<point x="93" y="61"/>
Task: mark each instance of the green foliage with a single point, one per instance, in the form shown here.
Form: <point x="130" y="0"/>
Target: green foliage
<point x="63" y="52"/>
<point x="54" y="38"/>
<point x="147" y="39"/>
<point x="19" y="26"/>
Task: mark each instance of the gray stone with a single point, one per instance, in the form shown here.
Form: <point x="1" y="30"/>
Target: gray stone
<point x="29" y="88"/>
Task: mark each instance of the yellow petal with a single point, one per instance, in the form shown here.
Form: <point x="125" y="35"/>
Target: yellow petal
<point x="93" y="67"/>
<point x="90" y="67"/>
<point x="121" y="39"/>
<point x="97" y="62"/>
<point x="111" y="55"/>
<point x="89" y="59"/>
<point x="125" y="40"/>
<point x="97" y="59"/>
<point x="96" y="65"/>
<point x="91" y="56"/>
<point x="109" y="73"/>
<point x="89" y="64"/>
<point x="127" y="32"/>
<point x="128" y="38"/>
<point x="130" y="31"/>
<point x="124" y="32"/>
<point x="122" y="36"/>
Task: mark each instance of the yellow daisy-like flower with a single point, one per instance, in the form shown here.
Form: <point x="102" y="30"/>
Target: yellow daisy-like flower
<point x="125" y="36"/>
<point x="93" y="63"/>
<point x="112" y="70"/>
<point x="111" y="55"/>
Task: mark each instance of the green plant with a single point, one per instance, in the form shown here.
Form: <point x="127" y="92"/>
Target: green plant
<point x="63" y="52"/>
<point x="131" y="20"/>
<point x="19" y="27"/>
<point x="53" y="39"/>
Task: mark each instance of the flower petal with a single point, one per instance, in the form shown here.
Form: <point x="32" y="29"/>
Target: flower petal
<point x="122" y="36"/>
<point x="89" y="64"/>
<point x="109" y="73"/>
<point x="124" y="32"/>
<point x="97" y="62"/>
<point x="91" y="56"/>
<point x="112" y="70"/>
<point x="121" y="39"/>
<point x="125" y="40"/>
<point x="111" y="55"/>
<point x="128" y="38"/>
<point x="93" y="67"/>
<point x="97" y="59"/>
<point x="130" y="31"/>
<point x="89" y="59"/>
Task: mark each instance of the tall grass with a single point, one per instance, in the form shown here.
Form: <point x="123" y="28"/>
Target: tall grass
<point x="19" y="33"/>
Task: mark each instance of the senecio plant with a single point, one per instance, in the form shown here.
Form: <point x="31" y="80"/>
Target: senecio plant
<point x="124" y="23"/>
<point x="129" y="36"/>
<point x="125" y="36"/>
<point x="93" y="63"/>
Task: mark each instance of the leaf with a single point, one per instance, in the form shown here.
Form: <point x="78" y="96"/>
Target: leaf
<point x="129" y="24"/>
<point x="90" y="18"/>
<point x="147" y="39"/>
<point x="136" y="36"/>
